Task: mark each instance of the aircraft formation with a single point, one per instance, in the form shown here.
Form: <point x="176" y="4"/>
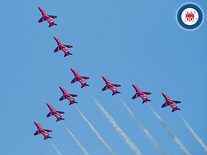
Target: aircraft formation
<point x="82" y="80"/>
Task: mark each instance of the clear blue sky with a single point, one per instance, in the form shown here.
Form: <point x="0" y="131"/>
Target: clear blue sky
<point x="128" y="42"/>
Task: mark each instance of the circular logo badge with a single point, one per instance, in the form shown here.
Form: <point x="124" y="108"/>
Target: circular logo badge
<point x="189" y="16"/>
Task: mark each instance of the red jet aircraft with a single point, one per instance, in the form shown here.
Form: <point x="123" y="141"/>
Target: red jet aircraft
<point x="44" y="132"/>
<point x="141" y="94"/>
<point x="47" y="17"/>
<point x="170" y="102"/>
<point x="62" y="47"/>
<point x="68" y="96"/>
<point x="111" y="86"/>
<point x="79" y="78"/>
<point x="57" y="114"/>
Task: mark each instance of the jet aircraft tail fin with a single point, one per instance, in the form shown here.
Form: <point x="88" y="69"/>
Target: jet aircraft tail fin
<point x="83" y="85"/>
<point x="47" y="137"/>
<point x="176" y="109"/>
<point x="116" y="93"/>
<point x="52" y="25"/>
<point x="60" y="119"/>
<point x="66" y="54"/>
<point x="145" y="101"/>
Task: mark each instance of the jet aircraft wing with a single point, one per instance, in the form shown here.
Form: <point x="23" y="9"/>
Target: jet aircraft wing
<point x="62" y="98"/>
<point x="37" y="132"/>
<point x="116" y="85"/>
<point x="57" y="49"/>
<point x="52" y="16"/>
<point x="135" y="96"/>
<point x="105" y="88"/>
<point x="68" y="46"/>
<point x="164" y="105"/>
<point x="84" y="77"/>
<point x="41" y="19"/>
<point x="175" y="101"/>
<point x="74" y="80"/>
<point x="146" y="93"/>
<point x="60" y="112"/>
<point x="47" y="130"/>
<point x="73" y="95"/>
<point x="49" y="114"/>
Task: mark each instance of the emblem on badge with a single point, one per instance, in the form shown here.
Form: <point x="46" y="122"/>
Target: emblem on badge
<point x="189" y="16"/>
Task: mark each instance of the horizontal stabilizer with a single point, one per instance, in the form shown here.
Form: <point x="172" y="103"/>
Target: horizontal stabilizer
<point x="52" y="24"/>
<point x="47" y="137"/>
<point x="146" y="93"/>
<point x="116" y="93"/>
<point x="67" y="53"/>
<point x="73" y="102"/>
<point x="60" y="119"/>
<point x="135" y="96"/>
<point x="145" y="101"/>
<point x="84" y="85"/>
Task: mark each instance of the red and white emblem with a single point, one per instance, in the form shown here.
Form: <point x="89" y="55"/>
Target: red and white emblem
<point x="189" y="16"/>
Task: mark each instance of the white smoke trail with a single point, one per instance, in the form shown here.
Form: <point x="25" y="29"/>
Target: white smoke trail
<point x="58" y="152"/>
<point x="84" y="151"/>
<point x="97" y="134"/>
<point x="194" y="134"/>
<point x="177" y="141"/>
<point x="145" y="130"/>
<point x="118" y="129"/>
